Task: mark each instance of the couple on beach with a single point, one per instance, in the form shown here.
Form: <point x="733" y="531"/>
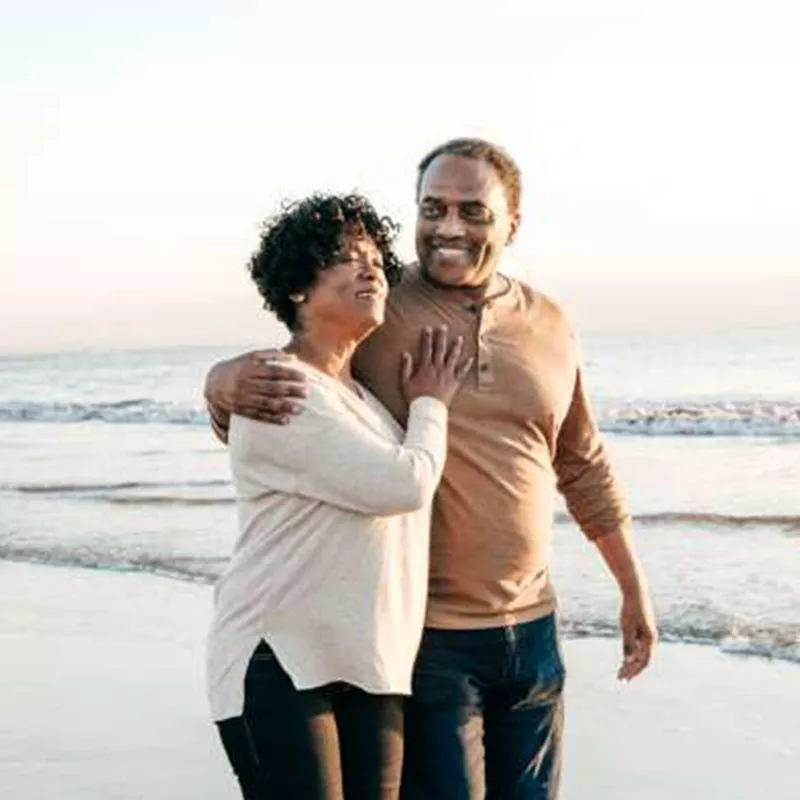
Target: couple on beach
<point x="387" y="624"/>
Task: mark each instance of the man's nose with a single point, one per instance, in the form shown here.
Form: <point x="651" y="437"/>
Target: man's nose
<point x="450" y="226"/>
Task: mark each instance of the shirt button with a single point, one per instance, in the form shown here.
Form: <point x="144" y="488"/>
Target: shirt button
<point x="484" y="367"/>
<point x="472" y="308"/>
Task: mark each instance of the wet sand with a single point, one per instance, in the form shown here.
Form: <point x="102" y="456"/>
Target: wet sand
<point x="101" y="696"/>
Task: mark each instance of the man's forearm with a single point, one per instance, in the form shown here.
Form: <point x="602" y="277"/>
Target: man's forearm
<point x="262" y="385"/>
<point x="220" y="417"/>
<point x="619" y="553"/>
<point x="220" y="422"/>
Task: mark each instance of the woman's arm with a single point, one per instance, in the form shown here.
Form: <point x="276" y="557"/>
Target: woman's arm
<point x="330" y="455"/>
<point x="327" y="454"/>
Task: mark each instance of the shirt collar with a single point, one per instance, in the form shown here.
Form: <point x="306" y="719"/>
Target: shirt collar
<point x="501" y="296"/>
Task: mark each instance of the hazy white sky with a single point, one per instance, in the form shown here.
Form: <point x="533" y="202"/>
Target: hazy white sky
<point x="141" y="143"/>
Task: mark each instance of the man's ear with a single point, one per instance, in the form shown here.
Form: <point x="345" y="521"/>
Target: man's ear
<point x="512" y="232"/>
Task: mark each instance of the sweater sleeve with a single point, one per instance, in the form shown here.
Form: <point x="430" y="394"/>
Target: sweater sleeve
<point x="583" y="469"/>
<point x="328" y="454"/>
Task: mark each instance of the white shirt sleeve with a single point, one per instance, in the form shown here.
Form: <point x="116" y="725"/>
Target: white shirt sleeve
<point x="328" y="454"/>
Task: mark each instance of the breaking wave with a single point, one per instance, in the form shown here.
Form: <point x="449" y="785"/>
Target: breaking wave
<point x="754" y="418"/>
<point x="136" y="411"/>
<point x="780" y="642"/>
<point x="707" y="418"/>
<point x="687" y="625"/>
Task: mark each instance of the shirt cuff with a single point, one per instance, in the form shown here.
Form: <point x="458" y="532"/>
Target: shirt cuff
<point x="430" y="407"/>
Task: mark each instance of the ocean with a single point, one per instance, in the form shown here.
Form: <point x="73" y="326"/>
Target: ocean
<point x="107" y="461"/>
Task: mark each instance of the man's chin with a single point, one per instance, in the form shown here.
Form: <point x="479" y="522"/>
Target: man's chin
<point x="448" y="274"/>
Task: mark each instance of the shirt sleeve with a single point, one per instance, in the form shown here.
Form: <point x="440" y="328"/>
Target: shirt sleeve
<point x="326" y="453"/>
<point x="584" y="472"/>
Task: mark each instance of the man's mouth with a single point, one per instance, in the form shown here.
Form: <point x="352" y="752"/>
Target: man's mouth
<point x="449" y="251"/>
<point x="368" y="294"/>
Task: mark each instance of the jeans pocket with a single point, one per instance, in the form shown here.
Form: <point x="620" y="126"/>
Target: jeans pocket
<point x="541" y="656"/>
<point x="542" y="686"/>
<point x="557" y="654"/>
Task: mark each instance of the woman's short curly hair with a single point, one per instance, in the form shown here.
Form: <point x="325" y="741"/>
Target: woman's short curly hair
<point x="304" y="238"/>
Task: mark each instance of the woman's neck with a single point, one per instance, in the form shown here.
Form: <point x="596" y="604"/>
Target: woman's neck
<point x="328" y="353"/>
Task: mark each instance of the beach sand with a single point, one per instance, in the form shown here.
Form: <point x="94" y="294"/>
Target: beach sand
<point x="101" y="696"/>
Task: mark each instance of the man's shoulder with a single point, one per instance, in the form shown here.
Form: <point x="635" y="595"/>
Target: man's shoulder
<point x="407" y="292"/>
<point x="409" y="284"/>
<point x="538" y="303"/>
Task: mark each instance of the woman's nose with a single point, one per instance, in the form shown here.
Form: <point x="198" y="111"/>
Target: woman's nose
<point x="370" y="272"/>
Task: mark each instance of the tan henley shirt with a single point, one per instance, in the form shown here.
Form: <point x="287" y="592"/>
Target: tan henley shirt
<point x="520" y="427"/>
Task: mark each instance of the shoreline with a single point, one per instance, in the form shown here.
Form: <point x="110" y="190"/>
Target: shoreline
<point x="570" y="629"/>
<point x="103" y="697"/>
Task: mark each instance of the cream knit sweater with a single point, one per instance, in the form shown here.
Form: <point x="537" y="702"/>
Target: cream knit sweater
<point x="331" y="565"/>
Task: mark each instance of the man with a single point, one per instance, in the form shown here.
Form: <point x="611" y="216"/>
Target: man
<point x="486" y="714"/>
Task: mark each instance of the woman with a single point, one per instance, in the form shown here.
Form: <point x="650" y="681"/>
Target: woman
<point x="320" y="612"/>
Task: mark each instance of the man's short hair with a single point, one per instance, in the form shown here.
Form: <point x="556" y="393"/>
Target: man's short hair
<point x="505" y="166"/>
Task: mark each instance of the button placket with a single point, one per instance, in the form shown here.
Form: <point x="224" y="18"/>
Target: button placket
<point x="485" y="369"/>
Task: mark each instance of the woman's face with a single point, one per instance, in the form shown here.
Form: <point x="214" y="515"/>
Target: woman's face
<point x="350" y="294"/>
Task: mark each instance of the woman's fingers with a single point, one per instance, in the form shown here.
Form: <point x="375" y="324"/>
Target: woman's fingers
<point x="440" y="346"/>
<point x="462" y="370"/>
<point x="425" y="346"/>
<point x="454" y="353"/>
<point x="406" y="367"/>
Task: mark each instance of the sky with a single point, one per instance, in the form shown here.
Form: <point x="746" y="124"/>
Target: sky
<point x="142" y="143"/>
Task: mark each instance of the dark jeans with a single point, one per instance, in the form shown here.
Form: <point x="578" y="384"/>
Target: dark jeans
<point x="486" y="716"/>
<point x="329" y="743"/>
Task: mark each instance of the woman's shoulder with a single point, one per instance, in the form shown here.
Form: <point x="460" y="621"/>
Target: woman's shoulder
<point x="326" y="395"/>
<point x="323" y="390"/>
<point x="329" y="406"/>
<point x="321" y="400"/>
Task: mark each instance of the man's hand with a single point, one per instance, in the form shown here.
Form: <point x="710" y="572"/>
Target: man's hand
<point x="639" y="634"/>
<point x="261" y="385"/>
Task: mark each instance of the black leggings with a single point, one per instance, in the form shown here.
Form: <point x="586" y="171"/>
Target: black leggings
<point x="335" y="742"/>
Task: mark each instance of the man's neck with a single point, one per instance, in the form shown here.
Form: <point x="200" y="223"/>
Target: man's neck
<point x="496" y="285"/>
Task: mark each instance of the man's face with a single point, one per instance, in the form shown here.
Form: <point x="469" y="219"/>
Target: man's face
<point x="463" y="221"/>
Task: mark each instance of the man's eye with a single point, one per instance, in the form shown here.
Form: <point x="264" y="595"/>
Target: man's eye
<point x="430" y="211"/>
<point x="476" y="214"/>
